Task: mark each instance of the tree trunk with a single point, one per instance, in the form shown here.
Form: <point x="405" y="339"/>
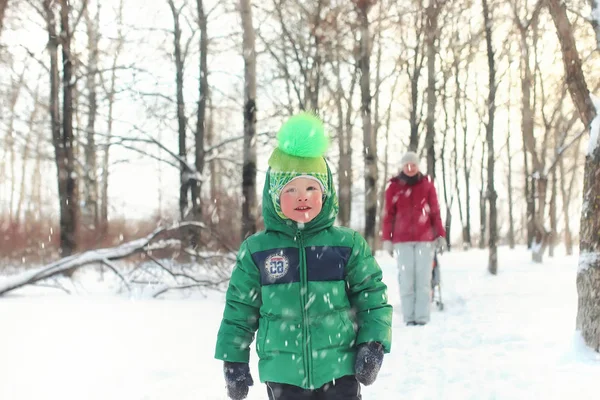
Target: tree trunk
<point x="110" y="94"/>
<point x="214" y="170"/>
<point x="431" y="32"/>
<point x="446" y="179"/>
<point x="3" y="7"/>
<point x="529" y="189"/>
<point x="588" y="275"/>
<point x="566" y="199"/>
<point x="314" y="73"/>
<point x="415" y="115"/>
<point x="201" y="113"/>
<point x="385" y="180"/>
<point x="31" y="131"/>
<point x="90" y="209"/>
<point x="200" y="121"/>
<point x="457" y="100"/>
<point x="482" y="204"/>
<point x="553" y="228"/>
<point x="35" y="200"/>
<point x="344" y="165"/>
<point x="467" y="173"/>
<point x="10" y="143"/>
<point x="345" y="127"/>
<point x="249" y="201"/>
<point x="376" y="126"/>
<point x="491" y="190"/>
<point x="369" y="139"/>
<point x="511" y="218"/>
<point x="62" y="133"/>
<point x="184" y="175"/>
<point x="482" y="218"/>
<point x="527" y="127"/>
<point x="540" y="240"/>
<point x="572" y="63"/>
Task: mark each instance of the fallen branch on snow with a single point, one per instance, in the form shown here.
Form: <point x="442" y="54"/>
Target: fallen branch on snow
<point x="105" y="257"/>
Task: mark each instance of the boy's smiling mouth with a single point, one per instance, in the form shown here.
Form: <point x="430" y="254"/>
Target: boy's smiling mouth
<point x="302" y="208"/>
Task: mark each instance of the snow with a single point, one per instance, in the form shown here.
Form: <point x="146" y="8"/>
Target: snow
<point x="510" y="336"/>
<point x="594" y="128"/>
<point x="595" y="18"/>
<point x="586" y="260"/>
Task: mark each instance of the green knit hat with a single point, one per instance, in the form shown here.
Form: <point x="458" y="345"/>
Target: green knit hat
<point x="301" y="144"/>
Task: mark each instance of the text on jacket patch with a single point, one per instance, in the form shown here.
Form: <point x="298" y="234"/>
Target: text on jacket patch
<point x="276" y="265"/>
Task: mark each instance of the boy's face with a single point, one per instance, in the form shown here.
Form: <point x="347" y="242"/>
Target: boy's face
<point x="301" y="200"/>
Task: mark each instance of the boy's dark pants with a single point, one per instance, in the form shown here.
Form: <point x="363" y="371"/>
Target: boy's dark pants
<point x="344" y="388"/>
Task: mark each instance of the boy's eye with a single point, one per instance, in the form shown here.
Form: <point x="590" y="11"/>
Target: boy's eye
<point x="290" y="190"/>
<point x="311" y="188"/>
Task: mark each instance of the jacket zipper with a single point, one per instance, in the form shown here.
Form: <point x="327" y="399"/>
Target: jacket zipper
<point x="412" y="216"/>
<point x="304" y="302"/>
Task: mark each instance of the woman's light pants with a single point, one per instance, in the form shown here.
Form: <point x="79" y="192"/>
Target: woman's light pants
<point x="415" y="261"/>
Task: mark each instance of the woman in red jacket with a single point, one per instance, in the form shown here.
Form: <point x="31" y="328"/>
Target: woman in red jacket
<point x="413" y="229"/>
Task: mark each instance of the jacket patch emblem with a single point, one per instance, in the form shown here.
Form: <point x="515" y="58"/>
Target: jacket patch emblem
<point x="276" y="266"/>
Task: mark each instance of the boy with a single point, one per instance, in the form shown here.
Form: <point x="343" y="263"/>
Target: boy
<point x="313" y="291"/>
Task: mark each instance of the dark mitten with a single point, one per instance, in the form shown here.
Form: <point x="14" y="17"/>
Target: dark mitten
<point x="238" y="379"/>
<point x="368" y="361"/>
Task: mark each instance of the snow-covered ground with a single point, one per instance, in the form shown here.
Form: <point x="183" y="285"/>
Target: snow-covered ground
<point x="506" y="337"/>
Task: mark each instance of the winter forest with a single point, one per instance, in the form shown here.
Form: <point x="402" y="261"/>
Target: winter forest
<point x="134" y="144"/>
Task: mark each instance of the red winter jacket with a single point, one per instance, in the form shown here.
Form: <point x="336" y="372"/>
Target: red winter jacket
<point x="412" y="212"/>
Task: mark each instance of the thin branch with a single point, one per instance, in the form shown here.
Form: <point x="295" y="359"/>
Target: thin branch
<point x="188" y="286"/>
<point x="113" y="268"/>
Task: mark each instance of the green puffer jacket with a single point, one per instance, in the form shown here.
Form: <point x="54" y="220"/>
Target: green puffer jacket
<point x="312" y="293"/>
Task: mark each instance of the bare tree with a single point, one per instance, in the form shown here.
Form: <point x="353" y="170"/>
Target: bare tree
<point x="249" y="203"/>
<point x="566" y="192"/>
<point x="90" y="210"/>
<point x="184" y="174"/>
<point x="467" y="154"/>
<point x="31" y="136"/>
<point x="413" y="69"/>
<point x="3" y="7"/>
<point x="369" y="138"/>
<point x="62" y="125"/>
<point x="509" y="157"/>
<point x="298" y="54"/>
<point x="203" y="94"/>
<point x="553" y="212"/>
<point x="111" y="92"/>
<point x="588" y="275"/>
<point x="337" y="31"/>
<point x="10" y="140"/>
<point x="447" y="179"/>
<point x="432" y="13"/>
<point x="483" y="214"/>
<point x="491" y="103"/>
<point x="527" y="127"/>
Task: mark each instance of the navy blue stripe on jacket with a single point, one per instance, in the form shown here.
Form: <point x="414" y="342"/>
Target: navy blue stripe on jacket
<point x="281" y="265"/>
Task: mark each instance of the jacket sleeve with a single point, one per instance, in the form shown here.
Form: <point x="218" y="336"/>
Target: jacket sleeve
<point x="242" y="305"/>
<point x="434" y="209"/>
<point x="389" y="215"/>
<point x="368" y="296"/>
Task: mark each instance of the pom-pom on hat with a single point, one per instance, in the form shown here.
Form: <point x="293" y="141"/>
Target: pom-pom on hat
<point x="301" y="145"/>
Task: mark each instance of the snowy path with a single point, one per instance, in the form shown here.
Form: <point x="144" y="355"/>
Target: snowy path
<point x="505" y="337"/>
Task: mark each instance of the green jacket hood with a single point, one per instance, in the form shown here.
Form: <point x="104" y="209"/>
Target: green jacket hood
<point x="325" y="219"/>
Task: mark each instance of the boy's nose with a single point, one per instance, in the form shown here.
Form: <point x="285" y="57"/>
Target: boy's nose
<point x="303" y="196"/>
